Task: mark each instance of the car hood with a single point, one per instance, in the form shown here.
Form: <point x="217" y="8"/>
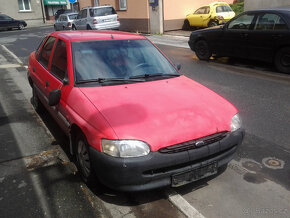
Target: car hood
<point x="162" y="112"/>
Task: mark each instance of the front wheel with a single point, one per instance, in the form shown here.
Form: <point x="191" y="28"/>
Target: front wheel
<point x="83" y="159"/>
<point x="202" y="50"/>
<point x="20" y="26"/>
<point x="282" y="60"/>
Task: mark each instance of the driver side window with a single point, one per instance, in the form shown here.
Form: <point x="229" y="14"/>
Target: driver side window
<point x="242" y="23"/>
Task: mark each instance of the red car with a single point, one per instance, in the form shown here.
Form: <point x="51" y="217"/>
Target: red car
<point x="133" y="121"/>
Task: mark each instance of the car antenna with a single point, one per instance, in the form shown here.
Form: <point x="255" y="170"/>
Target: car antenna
<point x="112" y="36"/>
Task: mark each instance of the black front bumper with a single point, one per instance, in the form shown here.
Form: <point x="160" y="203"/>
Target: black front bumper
<point x="156" y="169"/>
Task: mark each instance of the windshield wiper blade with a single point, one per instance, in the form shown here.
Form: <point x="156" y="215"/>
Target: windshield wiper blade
<point x="154" y="75"/>
<point x="102" y="80"/>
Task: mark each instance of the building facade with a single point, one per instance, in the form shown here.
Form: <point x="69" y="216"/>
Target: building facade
<point x="153" y="16"/>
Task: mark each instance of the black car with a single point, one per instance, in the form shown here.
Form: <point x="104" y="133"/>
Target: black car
<point x="258" y="35"/>
<point x="7" y="22"/>
<point x="61" y="11"/>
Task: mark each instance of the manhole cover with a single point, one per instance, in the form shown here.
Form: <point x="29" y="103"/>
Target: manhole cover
<point x="273" y="163"/>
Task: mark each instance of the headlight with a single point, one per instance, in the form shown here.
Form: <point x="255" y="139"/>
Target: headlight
<point x="236" y="123"/>
<point x="125" y="148"/>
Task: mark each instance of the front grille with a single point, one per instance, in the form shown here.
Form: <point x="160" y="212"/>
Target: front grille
<point x="185" y="146"/>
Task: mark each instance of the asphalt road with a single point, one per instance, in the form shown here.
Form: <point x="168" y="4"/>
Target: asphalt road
<point x="255" y="184"/>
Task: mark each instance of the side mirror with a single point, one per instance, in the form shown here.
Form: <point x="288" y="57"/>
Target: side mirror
<point x="178" y="66"/>
<point x="54" y="97"/>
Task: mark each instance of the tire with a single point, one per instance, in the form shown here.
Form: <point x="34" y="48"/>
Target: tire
<point x="89" y="27"/>
<point x="282" y="60"/>
<point x="212" y="24"/>
<point x="186" y="25"/>
<point x="202" y="50"/>
<point x="20" y="26"/>
<point x="55" y="29"/>
<point x="74" y="27"/>
<point x="37" y="104"/>
<point x="83" y="161"/>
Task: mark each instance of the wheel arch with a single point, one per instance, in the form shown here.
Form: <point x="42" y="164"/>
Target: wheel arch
<point x="74" y="130"/>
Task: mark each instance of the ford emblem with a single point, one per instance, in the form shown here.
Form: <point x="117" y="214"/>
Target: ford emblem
<point x="199" y="144"/>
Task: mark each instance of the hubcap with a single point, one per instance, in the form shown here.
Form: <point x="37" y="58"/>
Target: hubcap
<point x="83" y="158"/>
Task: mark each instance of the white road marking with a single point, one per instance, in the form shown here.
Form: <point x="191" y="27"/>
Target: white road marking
<point x="12" y="54"/>
<point x="10" y="66"/>
<point x="178" y="201"/>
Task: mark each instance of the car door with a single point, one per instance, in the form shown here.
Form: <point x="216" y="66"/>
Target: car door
<point x="199" y="17"/>
<point x="269" y="32"/>
<point x="58" y="79"/>
<point x="234" y="40"/>
<point x="41" y="70"/>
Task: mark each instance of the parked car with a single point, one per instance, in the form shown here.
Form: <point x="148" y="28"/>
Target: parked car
<point x="210" y="15"/>
<point x="64" y="22"/>
<point x="132" y="120"/>
<point x="258" y="35"/>
<point x="61" y="11"/>
<point x="97" y="18"/>
<point x="7" y="23"/>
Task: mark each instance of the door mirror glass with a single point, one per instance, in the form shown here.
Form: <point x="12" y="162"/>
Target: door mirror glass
<point x="54" y="97"/>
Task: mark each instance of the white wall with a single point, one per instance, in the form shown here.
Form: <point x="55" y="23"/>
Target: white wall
<point x="261" y="4"/>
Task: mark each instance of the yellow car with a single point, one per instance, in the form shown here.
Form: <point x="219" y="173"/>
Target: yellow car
<point x="210" y="15"/>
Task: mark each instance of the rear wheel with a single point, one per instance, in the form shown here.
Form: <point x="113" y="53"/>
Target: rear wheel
<point x="186" y="25"/>
<point x="89" y="27"/>
<point x="38" y="106"/>
<point x="83" y="159"/>
<point x="74" y="27"/>
<point x="282" y="60"/>
<point x="212" y="23"/>
<point x="202" y="50"/>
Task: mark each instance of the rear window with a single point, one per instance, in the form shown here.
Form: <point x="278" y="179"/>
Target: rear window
<point x="223" y="8"/>
<point x="73" y="16"/>
<point x="102" y="11"/>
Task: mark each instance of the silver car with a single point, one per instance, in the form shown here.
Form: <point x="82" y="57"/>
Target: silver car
<point x="65" y="21"/>
<point x="97" y="18"/>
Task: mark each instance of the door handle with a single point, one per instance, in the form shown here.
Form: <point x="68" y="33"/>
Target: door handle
<point x="244" y="35"/>
<point x="46" y="83"/>
<point x="276" y="36"/>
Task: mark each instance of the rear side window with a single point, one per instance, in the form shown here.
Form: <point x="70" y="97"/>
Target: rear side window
<point x="102" y="11"/>
<point x="84" y="13"/>
<point x="45" y="52"/>
<point x="223" y="8"/>
<point x="59" y="61"/>
<point x="270" y="22"/>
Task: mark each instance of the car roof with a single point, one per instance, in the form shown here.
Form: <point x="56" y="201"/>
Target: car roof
<point x="91" y="35"/>
<point x="286" y="9"/>
<point x="103" y="6"/>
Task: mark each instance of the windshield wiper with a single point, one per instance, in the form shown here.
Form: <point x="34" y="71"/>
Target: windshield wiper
<point x="154" y="75"/>
<point x="103" y="80"/>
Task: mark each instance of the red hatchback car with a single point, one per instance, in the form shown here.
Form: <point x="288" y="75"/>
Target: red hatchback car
<point x="133" y="122"/>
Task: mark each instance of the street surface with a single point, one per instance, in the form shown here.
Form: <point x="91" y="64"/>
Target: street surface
<point x="38" y="178"/>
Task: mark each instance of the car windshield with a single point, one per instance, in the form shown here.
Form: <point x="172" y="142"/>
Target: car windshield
<point x="73" y="16"/>
<point x="223" y="8"/>
<point x="121" y="59"/>
<point x="102" y="11"/>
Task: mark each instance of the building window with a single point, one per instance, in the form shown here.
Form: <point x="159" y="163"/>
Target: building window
<point x="24" y="5"/>
<point x="123" y="5"/>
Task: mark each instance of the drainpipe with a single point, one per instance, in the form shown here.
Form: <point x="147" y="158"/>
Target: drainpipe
<point x="43" y="18"/>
